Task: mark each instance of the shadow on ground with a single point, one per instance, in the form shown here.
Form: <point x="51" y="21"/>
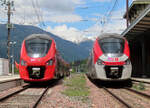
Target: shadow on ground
<point x="112" y="84"/>
<point x="45" y="84"/>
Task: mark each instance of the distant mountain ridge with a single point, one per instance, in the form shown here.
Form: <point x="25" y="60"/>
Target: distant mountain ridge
<point x="69" y="50"/>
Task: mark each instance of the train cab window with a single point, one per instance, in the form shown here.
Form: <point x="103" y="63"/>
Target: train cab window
<point x="112" y="45"/>
<point x="37" y="47"/>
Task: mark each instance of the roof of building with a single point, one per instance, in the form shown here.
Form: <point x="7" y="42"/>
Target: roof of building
<point x="140" y="24"/>
<point x="134" y="4"/>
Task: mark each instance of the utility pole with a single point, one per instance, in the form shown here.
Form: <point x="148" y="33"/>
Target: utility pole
<point x="9" y="6"/>
<point x="8" y="33"/>
<point x="127" y="12"/>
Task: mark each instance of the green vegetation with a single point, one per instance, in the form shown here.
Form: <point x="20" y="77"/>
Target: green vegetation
<point x="16" y="71"/>
<point x="139" y="86"/>
<point x="76" y="87"/>
<point x="79" y="66"/>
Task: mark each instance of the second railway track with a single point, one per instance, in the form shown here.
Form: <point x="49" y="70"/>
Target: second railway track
<point x="130" y="98"/>
<point x="138" y="92"/>
<point x="27" y="97"/>
<point x="6" y="96"/>
<point x="118" y="98"/>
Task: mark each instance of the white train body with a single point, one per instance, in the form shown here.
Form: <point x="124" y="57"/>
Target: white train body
<point x="110" y="59"/>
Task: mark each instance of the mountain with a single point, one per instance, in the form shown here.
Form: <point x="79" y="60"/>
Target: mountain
<point x="69" y="50"/>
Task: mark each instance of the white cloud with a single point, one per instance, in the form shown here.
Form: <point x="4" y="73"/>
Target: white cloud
<point x="71" y="34"/>
<point x="33" y="11"/>
<point x="64" y="18"/>
<point x="115" y="25"/>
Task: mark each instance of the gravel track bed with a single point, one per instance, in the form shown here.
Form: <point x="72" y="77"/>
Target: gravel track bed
<point x="9" y="91"/>
<point x="132" y="99"/>
<point x="101" y="99"/>
<point x="146" y="91"/>
<point x="25" y="99"/>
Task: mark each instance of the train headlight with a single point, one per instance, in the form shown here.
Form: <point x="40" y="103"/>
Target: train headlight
<point x="127" y="62"/>
<point x="23" y="63"/>
<point x="50" y="62"/>
<point x="99" y="62"/>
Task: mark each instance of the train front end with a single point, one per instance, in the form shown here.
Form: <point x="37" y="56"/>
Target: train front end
<point x="37" y="60"/>
<point x="112" y="59"/>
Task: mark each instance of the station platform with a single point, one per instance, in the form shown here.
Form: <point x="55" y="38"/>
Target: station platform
<point x="5" y="78"/>
<point x="141" y="79"/>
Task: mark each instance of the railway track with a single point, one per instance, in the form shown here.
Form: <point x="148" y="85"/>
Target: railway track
<point x="14" y="93"/>
<point x="138" y="93"/>
<point x="28" y="96"/>
<point x="3" y="100"/>
<point x="40" y="98"/>
<point x="116" y="97"/>
<point x="129" y="97"/>
<point x="10" y="83"/>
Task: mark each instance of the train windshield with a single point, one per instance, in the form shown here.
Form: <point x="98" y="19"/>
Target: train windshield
<point x="112" y="45"/>
<point x="38" y="47"/>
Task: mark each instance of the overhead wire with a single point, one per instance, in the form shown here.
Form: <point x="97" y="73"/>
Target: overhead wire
<point x="102" y="20"/>
<point x="35" y="11"/>
<point x="40" y="13"/>
<point x="110" y="13"/>
<point x="108" y="16"/>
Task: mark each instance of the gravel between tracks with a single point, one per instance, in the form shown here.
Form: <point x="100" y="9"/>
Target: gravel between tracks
<point x="98" y="98"/>
<point x="55" y="99"/>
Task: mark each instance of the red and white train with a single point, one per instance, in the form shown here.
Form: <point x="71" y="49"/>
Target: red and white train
<point x="110" y="59"/>
<point x="40" y="60"/>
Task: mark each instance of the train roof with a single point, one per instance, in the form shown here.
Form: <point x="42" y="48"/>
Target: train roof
<point x="107" y="35"/>
<point x="43" y="36"/>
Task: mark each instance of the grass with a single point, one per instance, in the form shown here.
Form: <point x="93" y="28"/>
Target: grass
<point x="139" y="86"/>
<point x="76" y="87"/>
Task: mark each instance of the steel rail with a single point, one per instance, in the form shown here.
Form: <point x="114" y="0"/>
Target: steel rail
<point x="137" y="92"/>
<point x="140" y="81"/>
<point x="40" y="98"/>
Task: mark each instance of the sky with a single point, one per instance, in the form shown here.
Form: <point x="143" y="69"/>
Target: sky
<point x="73" y="20"/>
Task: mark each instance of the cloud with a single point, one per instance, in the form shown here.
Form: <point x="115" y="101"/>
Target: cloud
<point x="35" y="11"/>
<point x="64" y="18"/>
<point x="114" y="25"/>
<point x="68" y="33"/>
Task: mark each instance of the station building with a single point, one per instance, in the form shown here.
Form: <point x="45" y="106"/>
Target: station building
<point x="138" y="35"/>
